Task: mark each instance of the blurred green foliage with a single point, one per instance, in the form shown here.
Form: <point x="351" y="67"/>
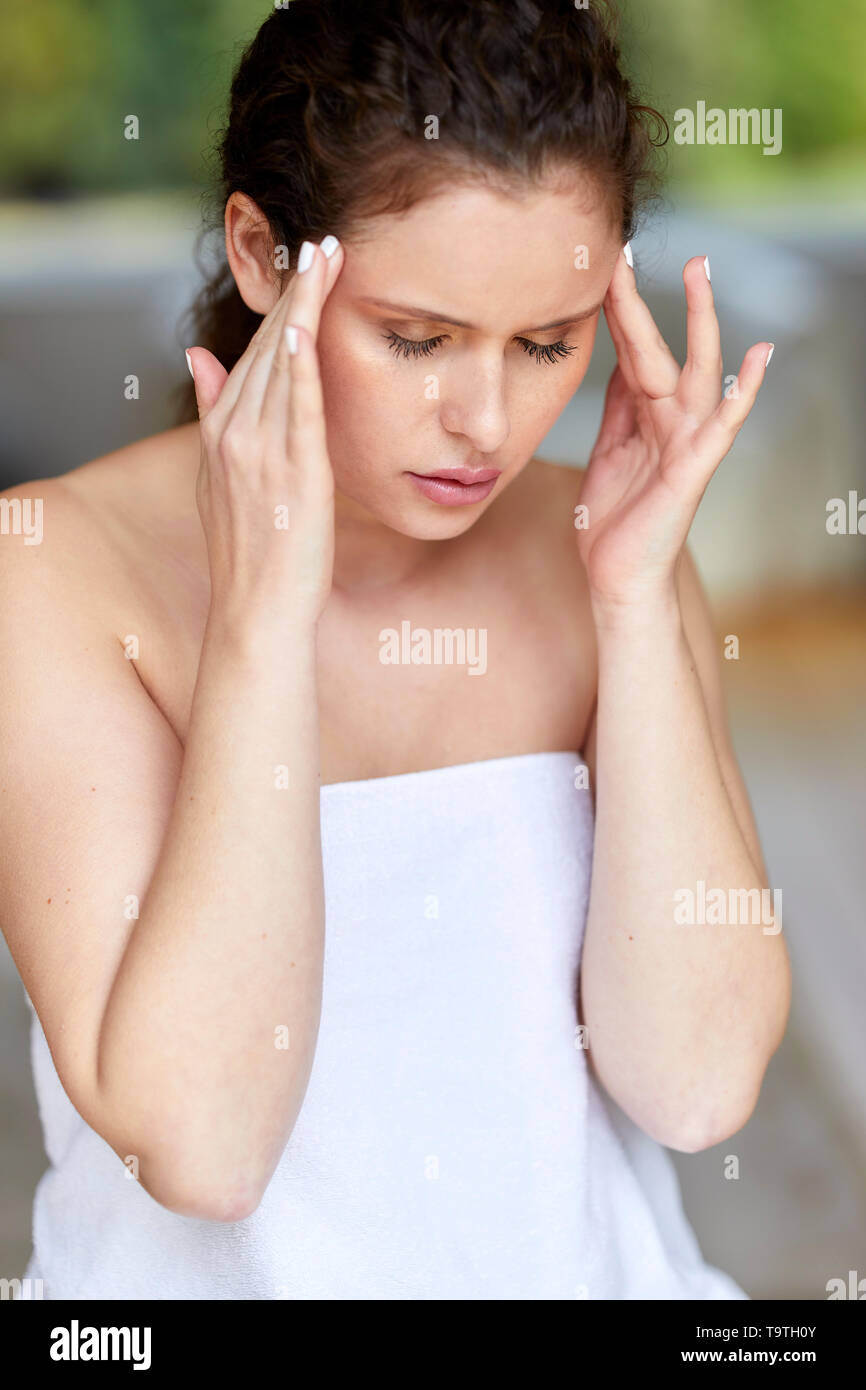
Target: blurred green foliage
<point x="72" y="70"/>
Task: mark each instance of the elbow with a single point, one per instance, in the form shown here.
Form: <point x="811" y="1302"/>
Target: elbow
<point x="225" y="1206"/>
<point x="703" y="1130"/>
<point x="227" y="1202"/>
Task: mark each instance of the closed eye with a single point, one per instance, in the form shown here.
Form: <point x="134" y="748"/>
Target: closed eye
<point x="409" y="347"/>
<point x="547" y="352"/>
<point x="541" y="352"/>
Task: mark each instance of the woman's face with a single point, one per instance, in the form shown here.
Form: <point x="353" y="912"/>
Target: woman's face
<point x="453" y="338"/>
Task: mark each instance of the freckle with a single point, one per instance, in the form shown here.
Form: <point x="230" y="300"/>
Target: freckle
<point x="48" y="900"/>
<point x="93" y="789"/>
<point x="631" y="938"/>
<point x="292" y="962"/>
<point x="264" y="934"/>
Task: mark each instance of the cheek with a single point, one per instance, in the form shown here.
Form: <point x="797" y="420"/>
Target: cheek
<point x="539" y="400"/>
<point x="349" y="385"/>
<point x="366" y="400"/>
<point x="372" y="414"/>
<point x="560" y="384"/>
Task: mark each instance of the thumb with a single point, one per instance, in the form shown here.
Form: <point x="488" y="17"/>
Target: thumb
<point x="209" y="377"/>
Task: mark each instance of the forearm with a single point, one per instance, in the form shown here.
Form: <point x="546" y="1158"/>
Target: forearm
<point x="228" y="948"/>
<point x="682" y="1018"/>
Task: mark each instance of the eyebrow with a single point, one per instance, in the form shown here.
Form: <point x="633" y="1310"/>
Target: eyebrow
<point x="413" y="312"/>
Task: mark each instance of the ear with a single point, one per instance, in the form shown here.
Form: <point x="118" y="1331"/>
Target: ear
<point x="250" y="252"/>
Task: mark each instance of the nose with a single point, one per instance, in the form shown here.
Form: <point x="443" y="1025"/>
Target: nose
<point x="473" y="404"/>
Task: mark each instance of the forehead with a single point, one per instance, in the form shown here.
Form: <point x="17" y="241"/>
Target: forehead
<point x="485" y="257"/>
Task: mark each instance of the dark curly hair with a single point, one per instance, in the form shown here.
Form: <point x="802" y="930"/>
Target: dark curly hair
<point x="331" y="123"/>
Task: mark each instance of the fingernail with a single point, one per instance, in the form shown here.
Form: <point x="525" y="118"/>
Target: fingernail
<point x="627" y="253"/>
<point x="305" y="257"/>
<point x="769" y="354"/>
<point x="707" y="267"/>
<point x="329" y="246"/>
<point x="189" y="363"/>
<point x="292" y="339"/>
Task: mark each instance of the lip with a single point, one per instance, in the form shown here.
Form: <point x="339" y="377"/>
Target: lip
<point x="468" y="476"/>
<point x="457" y="487"/>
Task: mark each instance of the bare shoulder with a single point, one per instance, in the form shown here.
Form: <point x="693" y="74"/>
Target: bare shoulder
<point x="70" y="540"/>
<point x="128" y="485"/>
<point x="47" y="533"/>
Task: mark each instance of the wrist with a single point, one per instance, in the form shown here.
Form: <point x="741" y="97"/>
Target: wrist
<point x="648" y="612"/>
<point x="251" y="630"/>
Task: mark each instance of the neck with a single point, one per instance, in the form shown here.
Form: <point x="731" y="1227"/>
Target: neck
<point x="370" y="556"/>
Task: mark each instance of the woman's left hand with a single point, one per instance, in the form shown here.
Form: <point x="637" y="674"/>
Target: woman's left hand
<point x="663" y="434"/>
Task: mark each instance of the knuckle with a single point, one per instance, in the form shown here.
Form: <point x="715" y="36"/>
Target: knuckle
<point x="233" y="442"/>
<point x="306" y="414"/>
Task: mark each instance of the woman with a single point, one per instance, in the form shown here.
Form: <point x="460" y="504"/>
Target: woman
<point x="300" y="906"/>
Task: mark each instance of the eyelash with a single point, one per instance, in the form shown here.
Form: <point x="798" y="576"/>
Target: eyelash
<point x="541" y="352"/>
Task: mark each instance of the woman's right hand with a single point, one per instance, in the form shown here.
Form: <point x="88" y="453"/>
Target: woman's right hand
<point x="265" y="488"/>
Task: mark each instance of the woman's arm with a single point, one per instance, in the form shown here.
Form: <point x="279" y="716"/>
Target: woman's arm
<point x="185" y="1037"/>
<point x="161" y="1026"/>
<point x="682" y="1017"/>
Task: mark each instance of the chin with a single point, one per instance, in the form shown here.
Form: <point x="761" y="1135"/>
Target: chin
<point x="430" y="523"/>
<point x="438" y="528"/>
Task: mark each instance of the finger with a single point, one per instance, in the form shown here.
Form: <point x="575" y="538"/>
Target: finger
<point x="208" y="376"/>
<point x="313" y="288"/>
<point x="307" y="436"/>
<point x="242" y="393"/>
<point x="700" y="382"/>
<point x="302" y="305"/>
<point x="275" y="396"/>
<point x="619" y="417"/>
<point x="222" y="388"/>
<point x="715" y="437"/>
<point x="623" y="356"/>
<point x="655" y="367"/>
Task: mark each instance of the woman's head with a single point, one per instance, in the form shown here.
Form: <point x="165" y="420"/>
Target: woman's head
<point x="481" y="160"/>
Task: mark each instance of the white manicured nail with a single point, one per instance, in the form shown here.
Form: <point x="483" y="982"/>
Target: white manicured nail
<point x="292" y="340"/>
<point x="627" y="253"/>
<point x="305" y="257"/>
<point x="329" y="246"/>
<point x="707" y="267"/>
<point x="189" y="363"/>
<point x="769" y="354"/>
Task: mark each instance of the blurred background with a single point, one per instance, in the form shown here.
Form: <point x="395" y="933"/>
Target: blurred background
<point x="96" y="269"/>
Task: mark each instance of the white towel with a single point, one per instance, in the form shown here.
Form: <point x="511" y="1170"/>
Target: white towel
<point x="452" y="1143"/>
